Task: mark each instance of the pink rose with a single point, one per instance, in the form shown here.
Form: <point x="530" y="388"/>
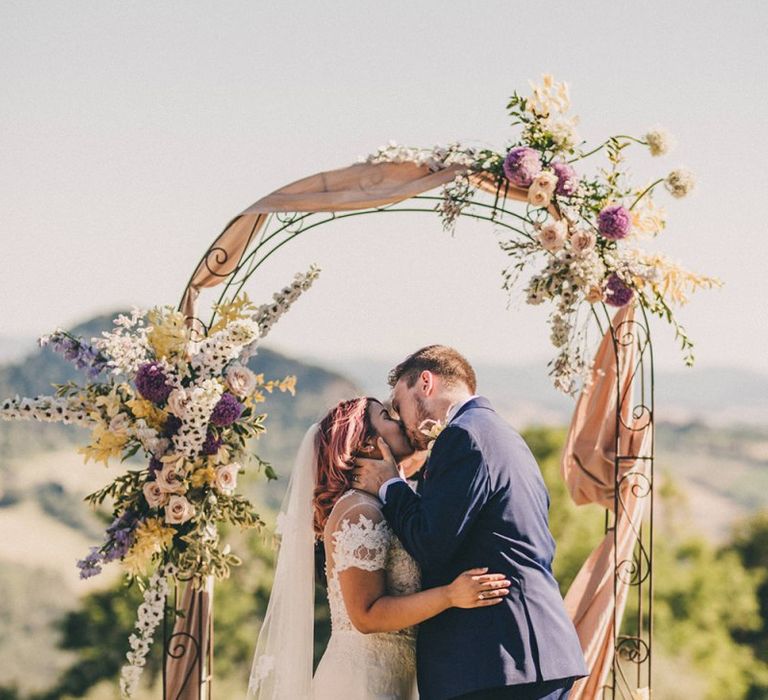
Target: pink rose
<point x="170" y="478"/>
<point x="177" y="402"/>
<point x="240" y="380"/>
<point x="178" y="510"/>
<point x="155" y="496"/>
<point x="542" y="188"/>
<point x="582" y="241"/>
<point x="552" y="235"/>
<point x="226" y="478"/>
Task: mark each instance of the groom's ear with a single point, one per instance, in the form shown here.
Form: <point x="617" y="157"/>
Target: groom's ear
<point x="427" y="382"/>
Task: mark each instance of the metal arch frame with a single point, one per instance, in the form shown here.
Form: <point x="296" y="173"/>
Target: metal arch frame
<point x="632" y="642"/>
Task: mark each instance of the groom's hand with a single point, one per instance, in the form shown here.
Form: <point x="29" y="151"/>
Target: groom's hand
<point x="370" y="474"/>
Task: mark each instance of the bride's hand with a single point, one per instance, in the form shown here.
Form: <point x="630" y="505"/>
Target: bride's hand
<point x="477" y="589"/>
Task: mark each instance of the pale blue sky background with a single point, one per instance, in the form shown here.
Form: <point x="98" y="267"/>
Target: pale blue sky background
<point x="130" y="133"/>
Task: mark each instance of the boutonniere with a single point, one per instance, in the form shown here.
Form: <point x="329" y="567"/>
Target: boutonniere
<point x="432" y="429"/>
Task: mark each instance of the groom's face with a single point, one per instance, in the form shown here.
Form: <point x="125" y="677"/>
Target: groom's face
<point x="408" y="403"/>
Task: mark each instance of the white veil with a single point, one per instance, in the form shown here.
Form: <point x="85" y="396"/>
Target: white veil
<point x="282" y="662"/>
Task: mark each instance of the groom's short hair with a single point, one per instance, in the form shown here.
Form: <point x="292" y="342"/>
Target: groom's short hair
<point x="441" y="360"/>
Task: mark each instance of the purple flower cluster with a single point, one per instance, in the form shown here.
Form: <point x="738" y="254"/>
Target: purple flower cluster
<point x="212" y="444"/>
<point x="120" y="535"/>
<point x="171" y="426"/>
<point x="226" y="411"/>
<point x="155" y="465"/>
<point x="619" y="293"/>
<point x="151" y="382"/>
<point x="82" y="355"/>
<point x="614" y="222"/>
<point x="521" y="165"/>
<point x="567" y="179"/>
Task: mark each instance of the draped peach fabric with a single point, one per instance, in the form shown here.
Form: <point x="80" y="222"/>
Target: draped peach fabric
<point x="358" y="186"/>
<point x="588" y="468"/>
<point x="181" y="662"/>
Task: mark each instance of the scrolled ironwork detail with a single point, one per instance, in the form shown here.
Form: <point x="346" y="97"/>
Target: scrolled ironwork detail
<point x="632" y="649"/>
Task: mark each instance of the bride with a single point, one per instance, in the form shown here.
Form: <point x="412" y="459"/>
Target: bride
<point x="373" y="583"/>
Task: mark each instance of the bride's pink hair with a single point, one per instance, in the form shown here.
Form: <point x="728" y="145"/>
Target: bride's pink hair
<point x="344" y="430"/>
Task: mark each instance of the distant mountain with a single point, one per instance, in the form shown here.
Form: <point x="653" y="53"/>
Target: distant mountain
<point x="716" y="396"/>
<point x="14" y="347"/>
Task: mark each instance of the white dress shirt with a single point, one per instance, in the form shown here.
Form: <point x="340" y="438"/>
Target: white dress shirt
<point x="452" y="411"/>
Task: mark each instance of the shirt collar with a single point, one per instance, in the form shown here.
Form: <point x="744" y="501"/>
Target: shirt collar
<point x="456" y="407"/>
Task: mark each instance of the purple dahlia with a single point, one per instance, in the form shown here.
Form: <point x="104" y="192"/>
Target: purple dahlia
<point x="211" y="445"/>
<point x="521" y="165"/>
<point x="614" y="222"/>
<point x="567" y="179"/>
<point x="619" y="293"/>
<point x="226" y="411"/>
<point x="151" y="382"/>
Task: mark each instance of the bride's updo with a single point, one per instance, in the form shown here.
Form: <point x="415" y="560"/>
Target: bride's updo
<point x="341" y="437"/>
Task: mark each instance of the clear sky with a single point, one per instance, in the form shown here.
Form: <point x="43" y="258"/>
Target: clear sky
<point x="130" y="133"/>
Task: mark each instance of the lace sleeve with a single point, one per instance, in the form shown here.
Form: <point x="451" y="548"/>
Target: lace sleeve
<point x="357" y="535"/>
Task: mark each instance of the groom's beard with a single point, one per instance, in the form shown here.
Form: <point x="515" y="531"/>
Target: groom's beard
<point x="418" y="440"/>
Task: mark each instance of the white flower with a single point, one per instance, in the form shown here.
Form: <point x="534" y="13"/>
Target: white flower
<point x="178" y="510"/>
<point x="226" y="478"/>
<point x="119" y="424"/>
<point x="680" y="182"/>
<point x="552" y="235"/>
<point x="659" y="141"/>
<point x="564" y="132"/>
<point x="542" y="188"/>
<point x="240" y="380"/>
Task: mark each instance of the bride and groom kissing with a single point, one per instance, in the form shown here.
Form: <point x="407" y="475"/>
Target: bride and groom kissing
<point x="439" y="586"/>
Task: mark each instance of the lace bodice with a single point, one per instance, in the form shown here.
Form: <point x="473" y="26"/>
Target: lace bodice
<point x="357" y="535"/>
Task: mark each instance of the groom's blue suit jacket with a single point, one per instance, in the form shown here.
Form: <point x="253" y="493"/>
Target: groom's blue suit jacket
<point x="482" y="502"/>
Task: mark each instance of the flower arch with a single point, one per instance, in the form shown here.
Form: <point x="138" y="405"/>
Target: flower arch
<point x="180" y="391"/>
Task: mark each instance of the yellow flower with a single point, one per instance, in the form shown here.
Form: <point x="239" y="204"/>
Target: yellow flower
<point x="142" y="408"/>
<point x="221" y="457"/>
<point x="104" y="444"/>
<point x="240" y="307"/>
<point x="169" y="334"/>
<point x="112" y="402"/>
<point x="204" y="475"/>
<point x="674" y="283"/>
<point x="151" y="537"/>
<point x="288" y="384"/>
<point x="648" y="218"/>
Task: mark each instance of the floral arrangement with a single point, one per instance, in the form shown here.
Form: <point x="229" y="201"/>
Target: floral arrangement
<point x="189" y="407"/>
<point x="580" y="231"/>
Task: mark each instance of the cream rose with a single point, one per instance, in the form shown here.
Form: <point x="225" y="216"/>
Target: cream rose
<point x="542" y="188"/>
<point x="178" y="510"/>
<point x="155" y="496"/>
<point x="582" y="241"/>
<point x="226" y="478"/>
<point x="552" y="235"/>
<point x="240" y="380"/>
<point x="177" y="402"/>
<point x="170" y="479"/>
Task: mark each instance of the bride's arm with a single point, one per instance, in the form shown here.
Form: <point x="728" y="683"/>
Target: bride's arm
<point x="371" y="610"/>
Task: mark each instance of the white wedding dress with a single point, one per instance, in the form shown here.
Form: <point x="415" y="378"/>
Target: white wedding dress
<point x="378" y="666"/>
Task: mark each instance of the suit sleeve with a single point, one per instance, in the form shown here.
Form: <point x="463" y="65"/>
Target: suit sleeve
<point x="433" y="525"/>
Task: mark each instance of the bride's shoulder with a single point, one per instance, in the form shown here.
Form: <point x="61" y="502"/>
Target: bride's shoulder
<point x="355" y="506"/>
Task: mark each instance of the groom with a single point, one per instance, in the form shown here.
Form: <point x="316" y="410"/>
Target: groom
<point x="481" y="502"/>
